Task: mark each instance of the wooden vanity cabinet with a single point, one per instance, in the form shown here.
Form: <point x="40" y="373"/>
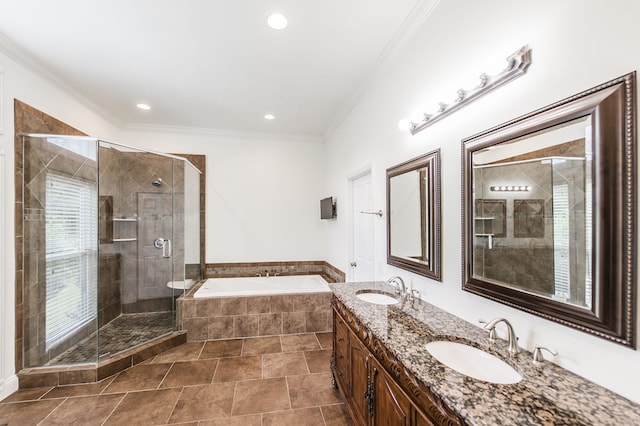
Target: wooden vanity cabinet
<point x="377" y="391"/>
<point x="391" y="406"/>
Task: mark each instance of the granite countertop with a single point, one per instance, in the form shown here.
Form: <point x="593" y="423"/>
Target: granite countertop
<point x="547" y="394"/>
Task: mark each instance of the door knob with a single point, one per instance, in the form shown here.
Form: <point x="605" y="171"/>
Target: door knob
<point x="354" y="264"/>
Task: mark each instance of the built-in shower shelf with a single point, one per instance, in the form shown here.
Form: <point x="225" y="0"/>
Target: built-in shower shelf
<point x="125" y="229"/>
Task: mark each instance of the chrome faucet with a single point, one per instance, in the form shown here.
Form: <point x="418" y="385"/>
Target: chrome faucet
<point x="537" y="356"/>
<point x="398" y="283"/>
<point x="512" y="340"/>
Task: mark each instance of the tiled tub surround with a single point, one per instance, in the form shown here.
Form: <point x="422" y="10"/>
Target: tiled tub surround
<point x="247" y="316"/>
<point x="547" y="394"/>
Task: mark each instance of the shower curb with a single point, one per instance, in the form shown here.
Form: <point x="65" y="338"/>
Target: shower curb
<point x="72" y="375"/>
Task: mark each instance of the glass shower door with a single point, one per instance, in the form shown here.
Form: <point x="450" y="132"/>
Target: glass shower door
<point x="60" y="250"/>
<point x="139" y="307"/>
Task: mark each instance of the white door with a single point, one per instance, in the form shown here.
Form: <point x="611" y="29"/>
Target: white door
<point x="362" y="265"/>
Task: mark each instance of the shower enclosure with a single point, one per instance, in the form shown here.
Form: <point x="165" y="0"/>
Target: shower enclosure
<point x="111" y="239"/>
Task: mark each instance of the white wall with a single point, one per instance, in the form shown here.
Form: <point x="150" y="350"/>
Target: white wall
<point x="23" y="84"/>
<point x="574" y="48"/>
<point x="263" y="195"/>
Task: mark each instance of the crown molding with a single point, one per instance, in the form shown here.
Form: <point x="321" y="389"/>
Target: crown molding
<point x="224" y="133"/>
<point x="412" y="23"/>
<point x="31" y="63"/>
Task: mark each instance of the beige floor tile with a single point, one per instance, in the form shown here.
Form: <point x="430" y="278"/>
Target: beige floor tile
<point x="253" y="420"/>
<point x="27" y="413"/>
<point x="336" y="415"/>
<point x="204" y="403"/>
<point x="299" y="342"/>
<point x="185" y="352"/>
<point x="259" y="396"/>
<point x="325" y="339"/>
<point x="261" y="345"/>
<point x="29" y="394"/>
<point x="222" y="348"/>
<point x="83" y="410"/>
<point x="188" y="373"/>
<point x="312" y="390"/>
<point x="318" y="361"/>
<point x="139" y="377"/>
<point x="301" y="417"/>
<point x="145" y="408"/>
<point x="283" y="364"/>
<point x="79" y="390"/>
<point x="238" y="368"/>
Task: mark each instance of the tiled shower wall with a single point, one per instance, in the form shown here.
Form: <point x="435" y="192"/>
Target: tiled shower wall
<point x="123" y="176"/>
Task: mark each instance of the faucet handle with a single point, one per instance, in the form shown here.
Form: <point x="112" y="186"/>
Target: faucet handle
<point x="538" y="358"/>
<point x="493" y="334"/>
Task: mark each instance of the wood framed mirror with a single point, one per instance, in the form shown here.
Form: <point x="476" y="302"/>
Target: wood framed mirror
<point x="413" y="215"/>
<point x="567" y="173"/>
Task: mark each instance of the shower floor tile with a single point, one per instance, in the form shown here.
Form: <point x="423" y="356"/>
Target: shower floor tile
<point x="277" y="381"/>
<point x="124" y="332"/>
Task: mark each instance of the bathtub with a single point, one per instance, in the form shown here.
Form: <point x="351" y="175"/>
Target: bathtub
<point x="260" y="286"/>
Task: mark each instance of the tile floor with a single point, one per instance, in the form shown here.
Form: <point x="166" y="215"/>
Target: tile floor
<point x="122" y="333"/>
<point x="260" y="381"/>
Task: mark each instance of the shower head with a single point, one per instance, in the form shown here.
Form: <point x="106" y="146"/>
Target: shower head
<point x="157" y="182"/>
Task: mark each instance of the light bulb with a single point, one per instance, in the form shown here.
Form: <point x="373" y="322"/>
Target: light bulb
<point x="277" y="21"/>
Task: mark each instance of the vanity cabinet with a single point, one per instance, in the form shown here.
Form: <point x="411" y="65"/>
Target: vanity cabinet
<point x="378" y="391"/>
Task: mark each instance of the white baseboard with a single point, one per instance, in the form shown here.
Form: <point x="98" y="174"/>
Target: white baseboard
<point x="8" y="386"/>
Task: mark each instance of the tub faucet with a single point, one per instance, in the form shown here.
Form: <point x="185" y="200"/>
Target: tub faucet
<point x="512" y="340"/>
<point x="398" y="283"/>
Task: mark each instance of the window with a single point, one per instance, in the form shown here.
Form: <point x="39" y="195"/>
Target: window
<point x="71" y="256"/>
<point x="561" y="261"/>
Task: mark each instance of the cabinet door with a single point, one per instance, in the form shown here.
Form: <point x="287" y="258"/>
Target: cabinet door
<point x="358" y="375"/>
<point x="391" y="405"/>
<point x="341" y="352"/>
<point x="421" y="420"/>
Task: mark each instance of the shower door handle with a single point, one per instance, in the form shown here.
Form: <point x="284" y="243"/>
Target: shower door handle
<point x="168" y="247"/>
<point x="165" y="245"/>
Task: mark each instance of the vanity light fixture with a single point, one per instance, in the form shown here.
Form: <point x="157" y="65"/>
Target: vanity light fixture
<point x="144" y="107"/>
<point x="510" y="188"/>
<point x="517" y="64"/>
<point x="277" y="21"/>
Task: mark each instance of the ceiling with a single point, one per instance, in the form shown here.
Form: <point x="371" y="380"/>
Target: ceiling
<point x="211" y="64"/>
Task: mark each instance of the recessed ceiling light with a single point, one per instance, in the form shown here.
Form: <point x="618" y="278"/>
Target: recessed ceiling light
<point x="144" y="106"/>
<point x="277" y="21"/>
<point x="269" y="117"/>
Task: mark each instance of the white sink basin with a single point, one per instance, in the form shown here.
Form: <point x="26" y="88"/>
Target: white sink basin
<point x="379" y="298"/>
<point x="473" y="362"/>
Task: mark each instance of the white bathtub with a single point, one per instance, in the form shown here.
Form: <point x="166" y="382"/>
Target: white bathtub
<point x="259" y="286"/>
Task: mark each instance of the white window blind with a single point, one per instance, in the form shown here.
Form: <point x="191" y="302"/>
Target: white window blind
<point x="71" y="256"/>
<point x="561" y="266"/>
<point x="588" y="232"/>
